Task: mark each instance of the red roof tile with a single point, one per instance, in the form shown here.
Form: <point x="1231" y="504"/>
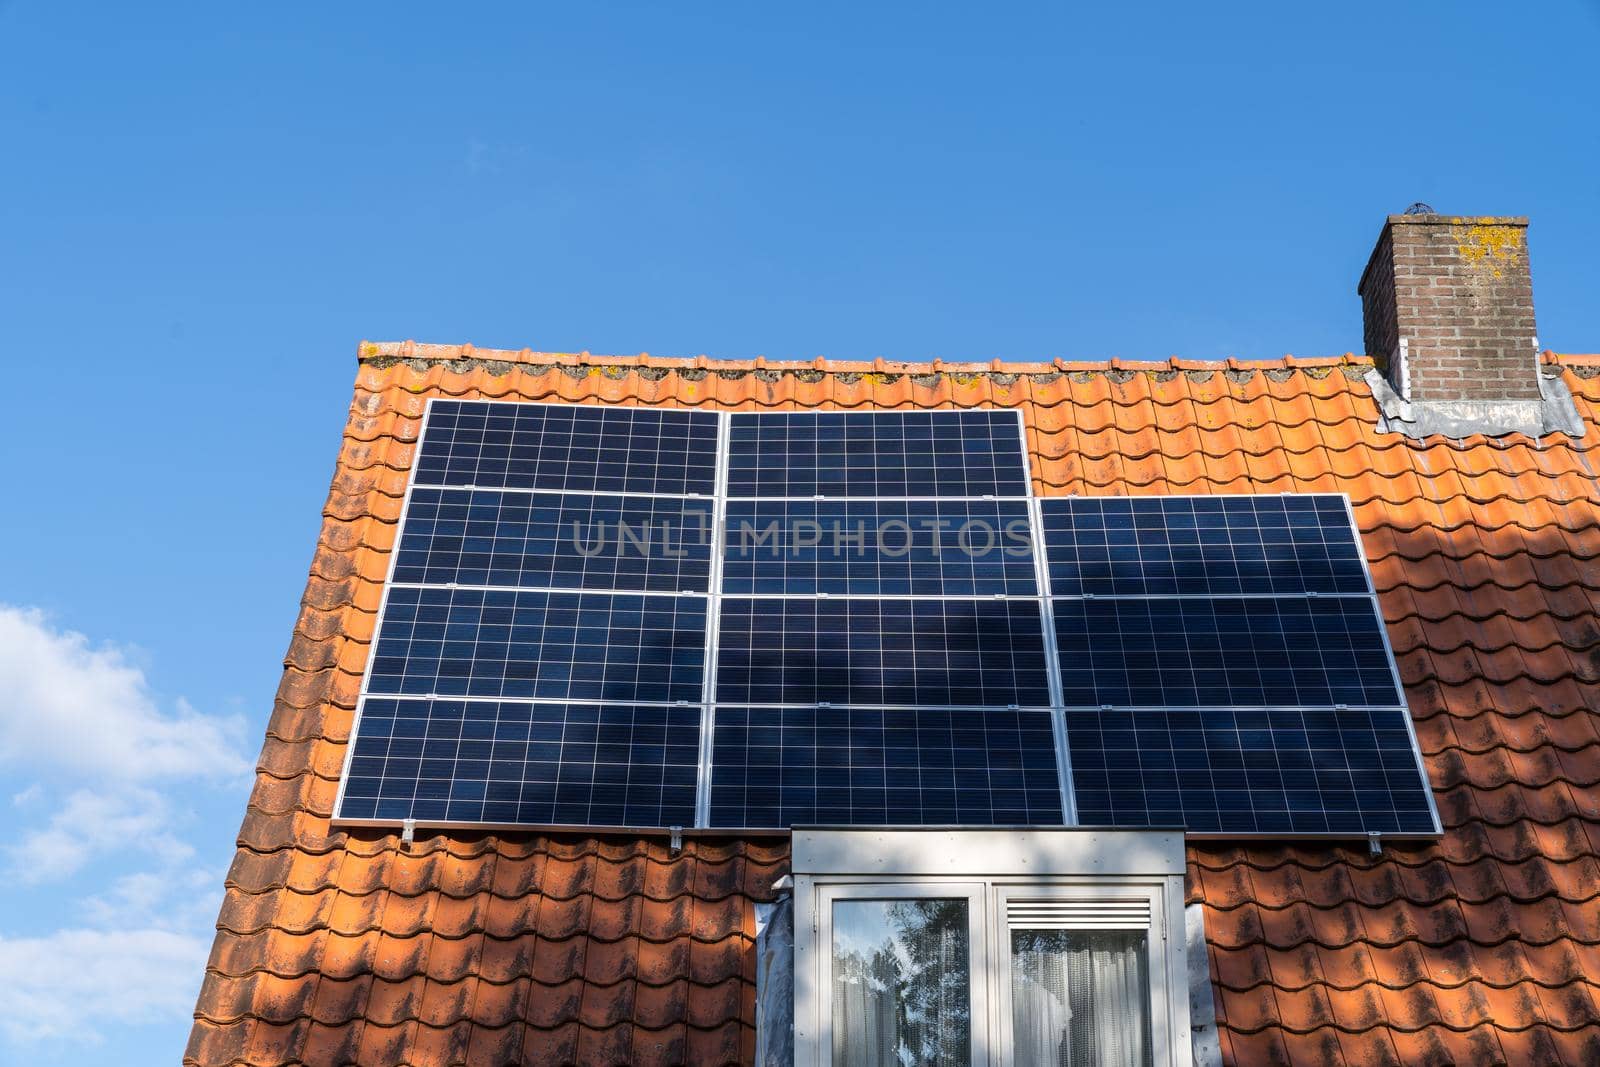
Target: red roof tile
<point x="337" y="947"/>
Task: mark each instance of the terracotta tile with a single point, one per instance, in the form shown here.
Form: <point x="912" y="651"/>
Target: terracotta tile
<point x="543" y="1045"/>
<point x="551" y="1006"/>
<point x="494" y="1046"/>
<point x="1369" y="1047"/>
<point x="1265" y="1047"/>
<point x="1566" y="1007"/>
<point x="1357" y="1010"/>
<point x="1318" y="1047"/>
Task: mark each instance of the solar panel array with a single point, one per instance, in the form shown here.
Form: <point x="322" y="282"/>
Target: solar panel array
<point x="604" y="616"/>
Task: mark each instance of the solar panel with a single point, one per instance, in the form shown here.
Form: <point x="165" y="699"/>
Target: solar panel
<point x="1249" y="771"/>
<point x="971" y="453"/>
<point x="524" y="762"/>
<point x="568" y="447"/>
<point x="1224" y="667"/>
<point x="921" y="653"/>
<point x="864" y="766"/>
<point x="881" y="547"/>
<point x="555" y="540"/>
<point x="1203" y="546"/>
<point x="1224" y="651"/>
<point x="518" y="643"/>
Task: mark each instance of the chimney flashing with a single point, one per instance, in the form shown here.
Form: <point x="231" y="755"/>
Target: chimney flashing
<point x="1553" y="412"/>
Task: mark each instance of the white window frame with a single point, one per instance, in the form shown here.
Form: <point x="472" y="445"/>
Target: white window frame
<point x="990" y="868"/>
<point x="977" y="960"/>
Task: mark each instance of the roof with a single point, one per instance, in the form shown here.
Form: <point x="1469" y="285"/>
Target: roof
<point x="1483" y="947"/>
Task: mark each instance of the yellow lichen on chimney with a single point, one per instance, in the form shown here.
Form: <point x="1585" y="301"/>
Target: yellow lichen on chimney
<point x="1480" y="246"/>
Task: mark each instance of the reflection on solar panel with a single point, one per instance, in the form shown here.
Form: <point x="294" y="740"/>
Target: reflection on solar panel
<point x="562" y="646"/>
<point x="791" y="766"/>
<point x="555" y="541"/>
<point x="652" y="617"/>
<point x="1225" y="651"/>
<point x="518" y="762"/>
<point x="883" y="453"/>
<point x="1249" y="770"/>
<point x="881" y="547"/>
<point x="1201" y="546"/>
<point x="923" y="653"/>
<point x="568" y="447"/>
<point x="1224" y="667"/>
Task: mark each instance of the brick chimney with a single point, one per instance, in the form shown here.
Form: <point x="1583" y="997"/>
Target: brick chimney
<point x="1448" y="304"/>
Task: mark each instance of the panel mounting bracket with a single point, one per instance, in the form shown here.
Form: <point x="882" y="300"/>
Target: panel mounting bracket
<point x="1375" y="843"/>
<point x="408" y="832"/>
<point x="675" y="843"/>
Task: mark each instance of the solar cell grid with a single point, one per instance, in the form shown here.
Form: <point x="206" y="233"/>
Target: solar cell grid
<point x="564" y="646"/>
<point x="555" y="540"/>
<point x="575" y="448"/>
<point x="1235" y="651"/>
<point x="1249" y="771"/>
<point x="780" y="767"/>
<point x="926" y="653"/>
<point x="885" y="453"/>
<point x="520" y="762"/>
<point x="1202" y="546"/>
<point x="886" y="547"/>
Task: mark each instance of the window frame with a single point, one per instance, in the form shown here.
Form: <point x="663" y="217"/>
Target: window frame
<point x="990" y="868"/>
<point x="973" y="892"/>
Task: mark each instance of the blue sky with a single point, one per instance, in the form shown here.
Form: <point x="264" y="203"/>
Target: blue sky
<point x="205" y="207"/>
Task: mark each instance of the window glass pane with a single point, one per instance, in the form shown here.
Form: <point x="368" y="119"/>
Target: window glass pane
<point x="902" y="989"/>
<point x="1080" y="998"/>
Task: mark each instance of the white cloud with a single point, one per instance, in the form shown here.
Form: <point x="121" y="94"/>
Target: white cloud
<point x="74" y="707"/>
<point x="181" y="900"/>
<point x="56" y="983"/>
<point x="106" y="779"/>
<point x="92" y="824"/>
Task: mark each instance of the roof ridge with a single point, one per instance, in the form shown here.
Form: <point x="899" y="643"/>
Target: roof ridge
<point x="384" y="352"/>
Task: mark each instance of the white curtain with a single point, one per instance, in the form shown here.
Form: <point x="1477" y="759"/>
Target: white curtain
<point x="1080" y="998"/>
<point x="902" y="992"/>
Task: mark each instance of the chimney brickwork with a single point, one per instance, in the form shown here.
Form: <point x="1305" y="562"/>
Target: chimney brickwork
<point x="1458" y="291"/>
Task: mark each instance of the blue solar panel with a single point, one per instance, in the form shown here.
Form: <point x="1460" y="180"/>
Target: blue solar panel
<point x="1227" y="651"/>
<point x="568" y="447"/>
<point x="555" y="540"/>
<point x="881" y="654"/>
<point x="880" y="453"/>
<point x="1249" y="771"/>
<point x="564" y="646"/>
<point x="521" y="762"/>
<point x="884" y="547"/>
<point x="779" y="767"/>
<point x="1204" y="546"/>
<point x="869" y="651"/>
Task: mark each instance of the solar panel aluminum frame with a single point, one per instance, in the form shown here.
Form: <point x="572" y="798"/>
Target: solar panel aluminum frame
<point x="1371" y="597"/>
<point x="708" y="694"/>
